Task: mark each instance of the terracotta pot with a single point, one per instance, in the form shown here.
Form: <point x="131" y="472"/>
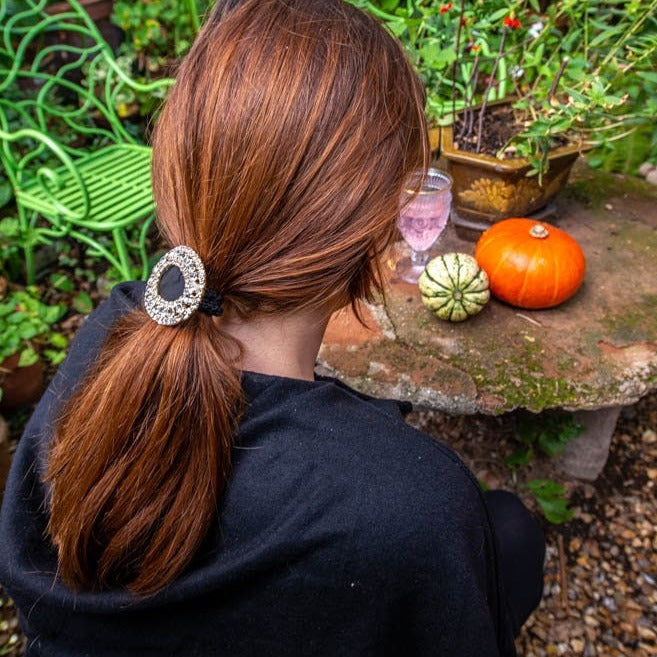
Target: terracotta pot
<point x="20" y="385"/>
<point x="487" y="189"/>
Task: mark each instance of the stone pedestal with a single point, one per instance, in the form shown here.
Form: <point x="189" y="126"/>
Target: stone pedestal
<point x="585" y="457"/>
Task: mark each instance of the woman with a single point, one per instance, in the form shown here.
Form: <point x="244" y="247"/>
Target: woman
<point x="187" y="485"/>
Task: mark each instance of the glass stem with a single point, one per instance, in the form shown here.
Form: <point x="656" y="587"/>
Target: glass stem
<point x="419" y="258"/>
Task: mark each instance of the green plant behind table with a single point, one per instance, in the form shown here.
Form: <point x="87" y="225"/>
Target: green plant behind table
<point x="552" y="500"/>
<point x="582" y="68"/>
<point x="26" y="328"/>
<point x="547" y="433"/>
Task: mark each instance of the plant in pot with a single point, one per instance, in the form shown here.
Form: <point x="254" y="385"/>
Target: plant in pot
<point x="26" y="337"/>
<point x="521" y="87"/>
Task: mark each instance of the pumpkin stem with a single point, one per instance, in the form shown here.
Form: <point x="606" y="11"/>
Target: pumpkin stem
<point x="538" y="230"/>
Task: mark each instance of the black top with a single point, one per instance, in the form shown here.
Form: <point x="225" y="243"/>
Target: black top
<point x="343" y="532"/>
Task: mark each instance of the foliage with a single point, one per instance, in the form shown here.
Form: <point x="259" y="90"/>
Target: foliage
<point x="158" y="29"/>
<point x="551" y="497"/>
<point x="129" y="102"/>
<point x="11" y="243"/>
<point x="157" y="34"/>
<point x="25" y="328"/>
<point x="443" y="43"/>
<point x="576" y="68"/>
<point x="81" y="302"/>
<point x="548" y="433"/>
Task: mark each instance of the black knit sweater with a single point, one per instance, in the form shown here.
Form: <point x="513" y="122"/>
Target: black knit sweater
<point x="343" y="532"/>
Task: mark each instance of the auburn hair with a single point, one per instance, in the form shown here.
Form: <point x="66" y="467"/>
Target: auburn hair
<point x="280" y="157"/>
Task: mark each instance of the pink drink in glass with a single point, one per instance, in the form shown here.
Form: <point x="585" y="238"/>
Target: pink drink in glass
<point x="422" y="220"/>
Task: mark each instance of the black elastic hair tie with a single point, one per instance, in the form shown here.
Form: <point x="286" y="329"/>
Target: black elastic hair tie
<point x="212" y="303"/>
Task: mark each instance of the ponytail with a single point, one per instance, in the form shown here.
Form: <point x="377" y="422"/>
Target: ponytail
<point x="142" y="453"/>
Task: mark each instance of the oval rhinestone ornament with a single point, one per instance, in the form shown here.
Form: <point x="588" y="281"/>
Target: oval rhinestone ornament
<point x="170" y="313"/>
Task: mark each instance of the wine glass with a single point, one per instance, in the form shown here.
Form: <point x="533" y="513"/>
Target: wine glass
<point x="422" y="218"/>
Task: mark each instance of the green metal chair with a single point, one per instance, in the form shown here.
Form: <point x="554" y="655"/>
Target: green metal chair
<point x="70" y="86"/>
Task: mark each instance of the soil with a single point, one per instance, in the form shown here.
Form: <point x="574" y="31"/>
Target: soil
<point x="501" y="124"/>
<point x="600" y="596"/>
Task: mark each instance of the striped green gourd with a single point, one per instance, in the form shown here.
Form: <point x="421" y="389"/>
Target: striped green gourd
<point x="454" y="287"/>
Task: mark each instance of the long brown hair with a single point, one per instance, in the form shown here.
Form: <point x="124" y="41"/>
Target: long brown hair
<point x="279" y="157"/>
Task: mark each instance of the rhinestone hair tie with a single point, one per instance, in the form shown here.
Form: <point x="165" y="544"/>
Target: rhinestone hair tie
<point x="194" y="296"/>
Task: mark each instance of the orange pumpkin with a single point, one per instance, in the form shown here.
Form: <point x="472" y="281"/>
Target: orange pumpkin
<point x="530" y="264"/>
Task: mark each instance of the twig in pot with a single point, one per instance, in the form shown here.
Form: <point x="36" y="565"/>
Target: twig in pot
<point x="467" y="118"/>
<point x="557" y="77"/>
<point x="458" y="43"/>
<point x="489" y="86"/>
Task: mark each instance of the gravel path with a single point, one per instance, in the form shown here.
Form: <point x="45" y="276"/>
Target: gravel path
<point x="600" y="597"/>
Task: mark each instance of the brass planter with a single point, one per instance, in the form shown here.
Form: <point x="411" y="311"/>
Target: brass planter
<point x="487" y="189"/>
<point x="434" y="137"/>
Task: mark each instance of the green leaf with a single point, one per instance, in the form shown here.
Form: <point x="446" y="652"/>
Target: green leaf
<point x="550" y="432"/>
<point x="58" y="340"/>
<point x="6" y="192"/>
<point x="54" y="356"/>
<point x="10" y="227"/>
<point x="15" y="317"/>
<point x="52" y="314"/>
<point x="61" y="282"/>
<point x="498" y="15"/>
<point x="551" y="497"/>
<point x="28" y="357"/>
<point x="521" y="457"/>
<point x="437" y="57"/>
<point x="28" y="329"/>
<point x="82" y="303"/>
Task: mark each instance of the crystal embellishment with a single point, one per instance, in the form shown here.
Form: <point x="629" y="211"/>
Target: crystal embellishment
<point x="170" y="313"/>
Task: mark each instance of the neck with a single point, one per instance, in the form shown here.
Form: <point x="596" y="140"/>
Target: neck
<point x="281" y="345"/>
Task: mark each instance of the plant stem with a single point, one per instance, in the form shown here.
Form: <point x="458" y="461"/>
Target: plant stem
<point x="557" y="77"/>
<point x="650" y="11"/>
<point x="484" y="103"/>
<point x="458" y="45"/>
<point x="468" y="114"/>
<point x="373" y="9"/>
<point x="193" y="15"/>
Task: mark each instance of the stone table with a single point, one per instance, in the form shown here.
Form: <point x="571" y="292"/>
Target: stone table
<point x="593" y="354"/>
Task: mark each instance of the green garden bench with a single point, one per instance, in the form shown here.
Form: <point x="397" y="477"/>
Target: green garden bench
<point x="75" y="169"/>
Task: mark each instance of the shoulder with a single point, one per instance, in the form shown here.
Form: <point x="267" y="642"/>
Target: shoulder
<point x="413" y="488"/>
<point x="397" y="472"/>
